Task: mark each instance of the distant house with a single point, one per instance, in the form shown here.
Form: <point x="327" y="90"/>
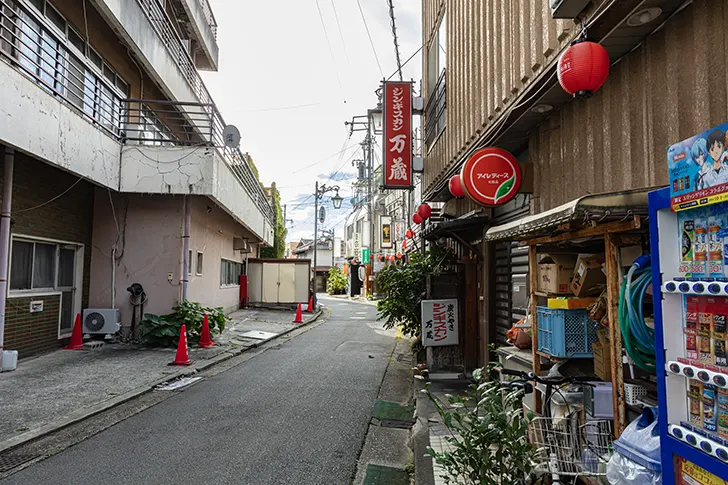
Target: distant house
<point x="324" y="258"/>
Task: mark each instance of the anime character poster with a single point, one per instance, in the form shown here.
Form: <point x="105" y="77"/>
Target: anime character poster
<point x="698" y="169"/>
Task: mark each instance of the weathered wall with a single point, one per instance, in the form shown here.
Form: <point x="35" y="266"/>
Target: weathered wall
<point x="494" y="50"/>
<point x="212" y="233"/>
<point x="671" y="87"/>
<point x="150" y="247"/>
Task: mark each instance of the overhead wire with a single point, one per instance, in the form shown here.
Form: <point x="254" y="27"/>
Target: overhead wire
<point x="331" y="51"/>
<point x="394" y="35"/>
<point x="369" y="34"/>
<point x="341" y="34"/>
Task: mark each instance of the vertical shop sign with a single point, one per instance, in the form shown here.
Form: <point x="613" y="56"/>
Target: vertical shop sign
<point x="439" y="322"/>
<point x="397" y="135"/>
<point x="385" y="232"/>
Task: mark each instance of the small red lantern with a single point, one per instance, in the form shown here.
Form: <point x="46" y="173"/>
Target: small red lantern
<point x="404" y="245"/>
<point x="399" y="255"/>
<point x="583" y="68"/>
<point x="381" y="258"/>
<point x="456" y="186"/>
<point x="425" y="211"/>
<point x="409" y="234"/>
<point x="417" y="219"/>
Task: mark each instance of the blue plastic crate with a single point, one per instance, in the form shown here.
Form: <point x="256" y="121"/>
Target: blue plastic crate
<point x="566" y="333"/>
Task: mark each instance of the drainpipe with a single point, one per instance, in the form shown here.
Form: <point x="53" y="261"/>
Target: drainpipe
<point x="186" y="247"/>
<point x="5" y="239"/>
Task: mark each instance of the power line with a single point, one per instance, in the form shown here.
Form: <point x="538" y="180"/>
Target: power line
<point x="325" y="159"/>
<point x="341" y="34"/>
<point x="281" y="108"/>
<point x="394" y="35"/>
<point x="328" y="43"/>
<point x="371" y="42"/>
<point x="405" y="62"/>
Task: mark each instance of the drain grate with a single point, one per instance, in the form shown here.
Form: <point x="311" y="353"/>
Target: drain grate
<point x="8" y="462"/>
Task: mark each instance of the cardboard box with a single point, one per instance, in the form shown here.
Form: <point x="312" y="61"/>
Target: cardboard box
<point x="587" y="274"/>
<point x="602" y="361"/>
<point x="554" y="272"/>
<point x="570" y="303"/>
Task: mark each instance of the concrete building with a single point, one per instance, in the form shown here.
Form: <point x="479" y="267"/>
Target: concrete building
<point x="324" y="258"/>
<point x="120" y="174"/>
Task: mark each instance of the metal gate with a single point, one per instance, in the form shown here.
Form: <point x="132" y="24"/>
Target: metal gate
<point x="510" y="273"/>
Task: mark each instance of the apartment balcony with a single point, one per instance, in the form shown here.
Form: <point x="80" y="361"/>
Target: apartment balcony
<point x="59" y="107"/>
<point x="201" y="28"/>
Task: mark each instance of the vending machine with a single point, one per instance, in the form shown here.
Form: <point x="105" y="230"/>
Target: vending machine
<point x="689" y="247"/>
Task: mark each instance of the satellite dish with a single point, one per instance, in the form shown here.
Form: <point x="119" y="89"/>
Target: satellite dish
<point x="231" y="136"/>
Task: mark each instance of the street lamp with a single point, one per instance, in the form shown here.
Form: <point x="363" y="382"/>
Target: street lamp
<point x="336" y="200"/>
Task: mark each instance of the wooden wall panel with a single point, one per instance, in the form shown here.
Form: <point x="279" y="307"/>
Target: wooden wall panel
<point x="660" y="93"/>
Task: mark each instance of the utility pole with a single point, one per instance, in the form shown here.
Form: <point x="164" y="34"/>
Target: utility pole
<point x="336" y="200"/>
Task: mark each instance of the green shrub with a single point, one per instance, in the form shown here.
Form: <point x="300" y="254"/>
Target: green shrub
<point x="163" y="330"/>
<point x="403" y="286"/>
<point x="337" y="280"/>
<point x="489" y="430"/>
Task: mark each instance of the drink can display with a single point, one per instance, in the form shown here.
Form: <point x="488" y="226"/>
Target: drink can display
<point x="709" y="407"/>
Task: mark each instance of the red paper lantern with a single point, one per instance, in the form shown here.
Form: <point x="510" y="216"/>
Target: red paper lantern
<point x="409" y="234"/>
<point x="425" y="211"/>
<point x="381" y="258"/>
<point x="399" y="255"/>
<point x="417" y="219"/>
<point x="583" y="68"/>
<point x="456" y="186"/>
<point x="404" y="245"/>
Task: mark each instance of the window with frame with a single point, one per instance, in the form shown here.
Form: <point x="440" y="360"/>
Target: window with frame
<point x="200" y="259"/>
<point x="230" y="272"/>
<point x="189" y="263"/>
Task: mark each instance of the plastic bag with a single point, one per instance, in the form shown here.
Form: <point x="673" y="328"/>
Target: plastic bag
<point x="623" y="471"/>
<point x="637" y="460"/>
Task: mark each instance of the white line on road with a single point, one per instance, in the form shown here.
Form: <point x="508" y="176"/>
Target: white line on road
<point x="357" y="318"/>
<point x="361" y="313"/>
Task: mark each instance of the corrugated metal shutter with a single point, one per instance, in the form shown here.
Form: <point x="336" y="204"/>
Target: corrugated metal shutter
<point x="510" y="272"/>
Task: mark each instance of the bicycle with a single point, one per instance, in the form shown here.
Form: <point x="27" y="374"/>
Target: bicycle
<point x="564" y="446"/>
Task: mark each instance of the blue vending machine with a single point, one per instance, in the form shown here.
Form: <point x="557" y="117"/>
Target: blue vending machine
<point x="689" y="247"/>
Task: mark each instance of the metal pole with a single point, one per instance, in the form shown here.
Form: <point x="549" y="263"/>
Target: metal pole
<point x="5" y="239"/>
<point x="315" y="237"/>
<point x="186" y="247"/>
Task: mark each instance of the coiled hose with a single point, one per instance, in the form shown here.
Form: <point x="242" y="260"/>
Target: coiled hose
<point x="638" y="338"/>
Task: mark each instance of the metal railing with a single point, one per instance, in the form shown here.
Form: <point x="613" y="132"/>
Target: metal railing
<point x="171" y="40"/>
<point x="172" y="123"/>
<point x="207" y="11"/>
<point x="57" y="67"/>
<point x="436" y="113"/>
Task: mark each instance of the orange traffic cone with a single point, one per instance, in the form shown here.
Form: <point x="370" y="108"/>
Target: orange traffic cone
<point x="205" y="339"/>
<point x="76" y="337"/>
<point x="299" y="315"/>
<point x="309" y="309"/>
<point x="183" y="357"/>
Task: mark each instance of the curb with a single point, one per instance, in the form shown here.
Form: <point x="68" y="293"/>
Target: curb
<point x="93" y="410"/>
<point x="424" y="470"/>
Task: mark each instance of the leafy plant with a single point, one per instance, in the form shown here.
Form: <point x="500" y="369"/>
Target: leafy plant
<point x="163" y="330"/>
<point x="404" y="287"/>
<point x="279" y="231"/>
<point x="337" y="280"/>
<point x="489" y="429"/>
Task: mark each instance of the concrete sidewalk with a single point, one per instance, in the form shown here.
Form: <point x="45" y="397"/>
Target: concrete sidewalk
<point x="51" y="391"/>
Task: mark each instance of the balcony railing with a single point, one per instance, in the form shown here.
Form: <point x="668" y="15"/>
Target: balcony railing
<point x="436" y="113"/>
<point x="171" y="123"/>
<point x="173" y="43"/>
<point x="58" y="67"/>
<point x="207" y="10"/>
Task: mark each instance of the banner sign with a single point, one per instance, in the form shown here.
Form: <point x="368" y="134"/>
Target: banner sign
<point x="322" y="215"/>
<point x="400" y="228"/>
<point x="385" y="224"/>
<point x="397" y="135"/>
<point x="439" y="322"/>
<point x="699" y="169"/>
<point x="357" y="244"/>
<point x="491" y="176"/>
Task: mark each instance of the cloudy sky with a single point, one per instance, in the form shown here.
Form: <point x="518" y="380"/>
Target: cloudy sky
<point x="289" y="94"/>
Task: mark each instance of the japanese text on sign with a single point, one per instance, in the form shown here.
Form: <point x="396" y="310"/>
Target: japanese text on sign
<point x="397" y="135"/>
<point x="439" y="322"/>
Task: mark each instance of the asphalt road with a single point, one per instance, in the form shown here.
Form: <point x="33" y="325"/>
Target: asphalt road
<point x="295" y="414"/>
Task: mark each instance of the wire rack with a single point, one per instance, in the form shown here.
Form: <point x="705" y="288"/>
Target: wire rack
<point x="567" y="446"/>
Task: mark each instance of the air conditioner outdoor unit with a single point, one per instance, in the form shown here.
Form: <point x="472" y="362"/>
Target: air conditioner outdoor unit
<point x="567" y="9"/>
<point x="101" y="321"/>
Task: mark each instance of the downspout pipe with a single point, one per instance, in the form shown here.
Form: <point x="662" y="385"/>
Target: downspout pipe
<point x="186" y="247"/>
<point x="5" y="239"/>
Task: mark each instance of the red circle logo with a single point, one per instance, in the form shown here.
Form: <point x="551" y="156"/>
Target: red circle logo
<point x="491" y="176"/>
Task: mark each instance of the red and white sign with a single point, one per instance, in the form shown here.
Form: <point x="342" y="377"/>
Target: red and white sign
<point x="439" y="322"/>
<point x="491" y="176"/>
<point x="397" y="136"/>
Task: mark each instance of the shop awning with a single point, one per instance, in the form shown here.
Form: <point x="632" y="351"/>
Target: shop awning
<point x="594" y="208"/>
<point x="467" y="228"/>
